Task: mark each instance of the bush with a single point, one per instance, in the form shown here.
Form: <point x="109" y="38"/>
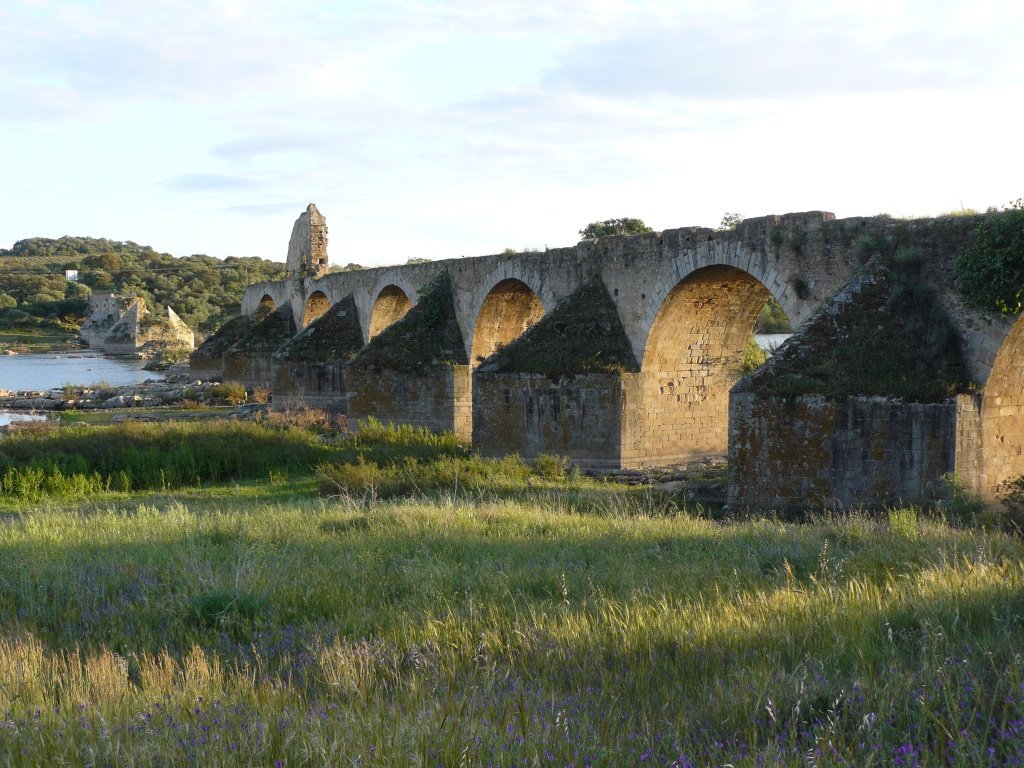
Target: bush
<point x="990" y="270"/>
<point x="551" y="467"/>
<point x="231" y="392"/>
<point x="753" y="357"/>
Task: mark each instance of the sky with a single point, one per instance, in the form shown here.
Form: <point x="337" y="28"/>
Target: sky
<point x="447" y="128"/>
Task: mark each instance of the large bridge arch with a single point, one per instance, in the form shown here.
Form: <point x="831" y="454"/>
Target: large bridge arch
<point x="266" y="306"/>
<point x="391" y="305"/>
<point x="315" y="306"/>
<point x="269" y="295"/>
<point x="500" y="307"/>
<point x="692" y="355"/>
<point x="1002" y="414"/>
<point x="508" y="309"/>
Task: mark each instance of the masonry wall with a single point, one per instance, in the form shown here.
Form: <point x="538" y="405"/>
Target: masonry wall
<point x="310" y="384"/>
<point x="1003" y="416"/>
<point x="530" y="414"/>
<point x="253" y="367"/>
<point x="673" y="417"/>
<point x="439" y="398"/>
<point x="815" y="452"/>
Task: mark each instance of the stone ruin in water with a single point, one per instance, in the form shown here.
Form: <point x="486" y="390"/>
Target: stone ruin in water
<point x="121" y="325"/>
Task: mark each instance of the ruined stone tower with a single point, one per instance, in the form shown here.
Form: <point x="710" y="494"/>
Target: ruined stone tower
<point x="307" y="249"/>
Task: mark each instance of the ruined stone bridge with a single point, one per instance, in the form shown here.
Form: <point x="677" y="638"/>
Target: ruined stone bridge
<point x="622" y="352"/>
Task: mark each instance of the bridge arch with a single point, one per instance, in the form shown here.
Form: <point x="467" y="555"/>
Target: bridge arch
<point x="1002" y="413"/>
<point x="509" y="308"/>
<point x="693" y="354"/>
<point x="389" y="307"/>
<point x="266" y="306"/>
<point x="316" y="305"/>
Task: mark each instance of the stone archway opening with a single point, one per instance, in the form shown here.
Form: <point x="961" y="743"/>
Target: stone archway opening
<point x="697" y="348"/>
<point x="509" y="309"/>
<point x="266" y="306"/>
<point x="391" y="305"/>
<point x="1002" y="415"/>
<point x="316" y="305"/>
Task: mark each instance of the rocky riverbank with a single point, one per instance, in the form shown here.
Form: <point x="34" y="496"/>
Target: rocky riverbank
<point x="175" y="389"/>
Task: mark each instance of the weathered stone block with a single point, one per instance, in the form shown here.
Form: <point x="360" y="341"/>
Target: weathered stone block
<point x="530" y="414"/>
<point x="812" y="451"/>
<point x="436" y="397"/>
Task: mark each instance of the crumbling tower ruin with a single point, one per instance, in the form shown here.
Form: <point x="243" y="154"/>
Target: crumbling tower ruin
<point x="307" y="248"/>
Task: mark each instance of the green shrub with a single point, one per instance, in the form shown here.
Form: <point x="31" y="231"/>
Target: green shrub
<point x="231" y="392"/>
<point x="990" y="270"/>
<point x="551" y="467"/>
<point x="753" y="357"/>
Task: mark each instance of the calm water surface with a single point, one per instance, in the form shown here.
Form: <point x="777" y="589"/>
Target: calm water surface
<point x="50" y="370"/>
<point x="769" y="341"/>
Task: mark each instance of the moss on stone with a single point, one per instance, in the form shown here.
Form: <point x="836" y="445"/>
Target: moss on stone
<point x="272" y="332"/>
<point x="335" y="335"/>
<point x="890" y="337"/>
<point x="227" y="335"/>
<point x="582" y="335"/>
<point x="428" y="335"/>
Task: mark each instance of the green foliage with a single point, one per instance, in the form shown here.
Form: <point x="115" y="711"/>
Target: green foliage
<point x="203" y="290"/>
<point x="319" y="632"/>
<point x="729" y="222"/>
<point x="225" y="607"/>
<point x="773" y="319"/>
<point x="231" y="392"/>
<point x="409" y="476"/>
<point x="753" y="357"/>
<point x="551" y="467"/>
<point x="1012" y="496"/>
<point x="79" y="462"/>
<point x="598" y="229"/>
<point x="868" y="245"/>
<point x="990" y="269"/>
<point x="427" y="336"/>
<point x="921" y="359"/>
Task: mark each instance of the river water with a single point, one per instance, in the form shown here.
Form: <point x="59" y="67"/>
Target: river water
<point x="770" y="341"/>
<point x="52" y="370"/>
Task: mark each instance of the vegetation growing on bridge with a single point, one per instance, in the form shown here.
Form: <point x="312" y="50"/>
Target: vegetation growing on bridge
<point x="893" y="340"/>
<point x="581" y="335"/>
<point x="626" y="226"/>
<point x="428" y="335"/>
<point x="335" y="335"/>
<point x="269" y="333"/>
<point x="990" y="270"/>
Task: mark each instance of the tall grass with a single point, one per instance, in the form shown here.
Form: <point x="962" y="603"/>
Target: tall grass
<point x="503" y="633"/>
<point x="80" y="461"/>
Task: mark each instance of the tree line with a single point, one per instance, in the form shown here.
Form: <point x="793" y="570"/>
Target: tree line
<point x="203" y="290"/>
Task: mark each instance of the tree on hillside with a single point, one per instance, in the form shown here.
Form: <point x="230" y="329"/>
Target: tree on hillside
<point x="598" y="229"/>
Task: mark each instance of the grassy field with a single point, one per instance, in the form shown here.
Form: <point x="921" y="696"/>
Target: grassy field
<point x="393" y="601"/>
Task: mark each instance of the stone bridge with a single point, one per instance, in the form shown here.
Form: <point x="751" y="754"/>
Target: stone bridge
<point x="621" y="352"/>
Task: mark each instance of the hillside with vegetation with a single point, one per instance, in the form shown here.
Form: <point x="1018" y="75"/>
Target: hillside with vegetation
<point x="38" y="305"/>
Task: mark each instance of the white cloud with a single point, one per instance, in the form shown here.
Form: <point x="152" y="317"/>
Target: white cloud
<point x="478" y="125"/>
